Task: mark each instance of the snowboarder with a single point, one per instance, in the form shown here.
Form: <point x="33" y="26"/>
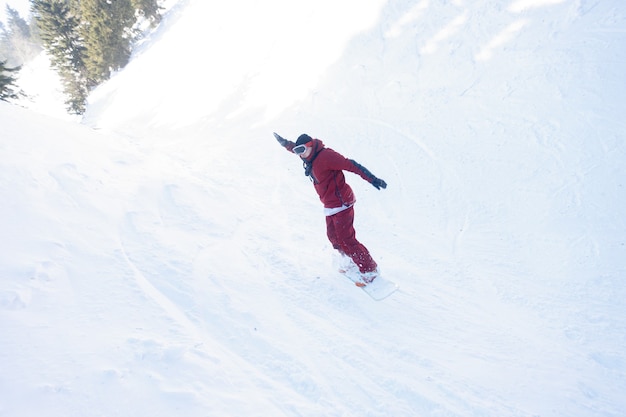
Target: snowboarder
<point x="325" y="167"/>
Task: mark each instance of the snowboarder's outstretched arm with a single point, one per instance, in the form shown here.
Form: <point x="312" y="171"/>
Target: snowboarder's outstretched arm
<point x="367" y="175"/>
<point x="336" y="161"/>
<point x="287" y="144"/>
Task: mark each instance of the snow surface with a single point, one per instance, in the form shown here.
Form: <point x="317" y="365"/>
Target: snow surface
<point x="42" y="89"/>
<point x="166" y="257"/>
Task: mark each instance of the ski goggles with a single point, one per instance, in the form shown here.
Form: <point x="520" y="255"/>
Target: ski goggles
<point x="300" y="149"/>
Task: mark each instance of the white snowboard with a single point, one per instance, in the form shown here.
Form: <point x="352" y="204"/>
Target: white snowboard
<point x="379" y="289"/>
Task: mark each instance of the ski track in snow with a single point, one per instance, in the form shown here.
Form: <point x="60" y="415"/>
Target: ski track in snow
<point x="171" y="259"/>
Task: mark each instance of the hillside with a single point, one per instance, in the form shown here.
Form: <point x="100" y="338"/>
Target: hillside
<point x="166" y="257"/>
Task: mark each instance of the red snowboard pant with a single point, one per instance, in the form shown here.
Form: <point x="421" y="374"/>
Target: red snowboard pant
<point x="341" y="233"/>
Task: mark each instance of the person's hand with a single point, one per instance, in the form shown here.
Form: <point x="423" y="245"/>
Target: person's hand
<point x="283" y="142"/>
<point x="378" y="183"/>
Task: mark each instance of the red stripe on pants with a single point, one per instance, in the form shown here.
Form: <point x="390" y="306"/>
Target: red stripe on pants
<point x="341" y="233"/>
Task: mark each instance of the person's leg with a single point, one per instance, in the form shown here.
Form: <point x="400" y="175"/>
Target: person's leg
<point x="345" y="236"/>
<point x="331" y="233"/>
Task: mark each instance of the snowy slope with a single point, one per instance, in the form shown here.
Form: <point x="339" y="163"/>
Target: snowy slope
<point x="167" y="257"/>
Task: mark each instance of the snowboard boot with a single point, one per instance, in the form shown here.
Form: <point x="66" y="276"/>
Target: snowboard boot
<point x="367" y="278"/>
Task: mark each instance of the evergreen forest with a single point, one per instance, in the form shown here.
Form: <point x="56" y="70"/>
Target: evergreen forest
<point x="86" y="40"/>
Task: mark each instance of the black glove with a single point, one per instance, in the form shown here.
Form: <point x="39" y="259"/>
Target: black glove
<point x="281" y="140"/>
<point x="378" y="183"/>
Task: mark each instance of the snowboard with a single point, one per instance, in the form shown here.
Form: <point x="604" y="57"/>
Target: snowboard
<point x="379" y="289"/>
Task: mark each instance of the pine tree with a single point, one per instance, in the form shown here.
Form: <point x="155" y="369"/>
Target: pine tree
<point x="89" y="39"/>
<point x="16" y="23"/>
<point x="59" y="27"/>
<point x="5" y="47"/>
<point x="19" y="43"/>
<point x="106" y="32"/>
<point x="7" y="82"/>
<point x="149" y="9"/>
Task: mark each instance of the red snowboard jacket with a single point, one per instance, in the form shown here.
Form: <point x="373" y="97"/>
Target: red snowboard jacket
<point x="325" y="168"/>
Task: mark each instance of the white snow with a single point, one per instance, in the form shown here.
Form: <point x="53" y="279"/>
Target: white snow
<point x="166" y="257"/>
<point x="42" y="89"/>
